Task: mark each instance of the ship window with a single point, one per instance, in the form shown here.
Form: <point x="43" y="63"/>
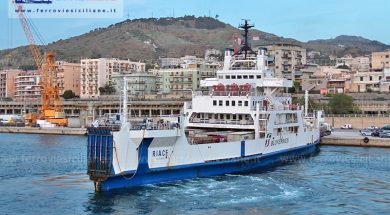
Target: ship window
<point x="228" y="77"/>
<point x="239" y="103"/>
<point x="214" y="102"/>
<point x="228" y="116"/>
<point x="246" y="103"/>
<point x="227" y="103"/>
<point x="251" y="77"/>
<point x="233" y="77"/>
<point x="220" y="77"/>
<point x="221" y="116"/>
<point x="239" y="77"/>
<point x="258" y="76"/>
<point x="233" y="103"/>
<point x="234" y="116"/>
<point x="245" y="77"/>
<point x="220" y="103"/>
<point x="240" y="117"/>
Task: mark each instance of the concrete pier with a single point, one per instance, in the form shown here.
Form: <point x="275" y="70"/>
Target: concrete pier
<point x="55" y="131"/>
<point x="354" y="138"/>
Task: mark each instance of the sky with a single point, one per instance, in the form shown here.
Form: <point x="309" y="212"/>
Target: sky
<point x="299" y="19"/>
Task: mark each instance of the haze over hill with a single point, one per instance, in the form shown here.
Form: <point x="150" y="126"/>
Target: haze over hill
<point x="148" y="39"/>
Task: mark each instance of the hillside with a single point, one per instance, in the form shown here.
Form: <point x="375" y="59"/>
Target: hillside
<point x="148" y="39"/>
<point x="342" y="45"/>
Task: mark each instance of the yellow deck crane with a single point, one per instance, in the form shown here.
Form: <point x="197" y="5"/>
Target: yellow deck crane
<point x="51" y="105"/>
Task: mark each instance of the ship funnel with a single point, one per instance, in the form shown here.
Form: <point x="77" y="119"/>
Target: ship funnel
<point x="228" y="57"/>
<point x="262" y="59"/>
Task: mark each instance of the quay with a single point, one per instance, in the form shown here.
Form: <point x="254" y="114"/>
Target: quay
<point x="353" y="138"/>
<point x="54" y="131"/>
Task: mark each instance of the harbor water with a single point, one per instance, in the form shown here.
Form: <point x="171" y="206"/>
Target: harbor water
<point x="46" y="174"/>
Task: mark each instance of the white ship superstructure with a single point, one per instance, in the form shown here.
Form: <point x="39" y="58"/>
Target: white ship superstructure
<point x="241" y="121"/>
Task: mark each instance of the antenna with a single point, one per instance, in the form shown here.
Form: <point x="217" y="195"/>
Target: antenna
<point x="246" y="48"/>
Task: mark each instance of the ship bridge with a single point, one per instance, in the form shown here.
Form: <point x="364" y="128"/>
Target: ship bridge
<point x="242" y="71"/>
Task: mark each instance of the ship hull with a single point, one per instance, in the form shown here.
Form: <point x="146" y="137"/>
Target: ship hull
<point x="240" y="165"/>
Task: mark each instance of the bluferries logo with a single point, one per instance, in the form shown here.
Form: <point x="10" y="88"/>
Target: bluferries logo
<point x="66" y="8"/>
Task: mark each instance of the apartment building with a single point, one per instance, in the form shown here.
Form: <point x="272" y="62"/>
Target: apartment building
<point x="180" y="62"/>
<point x="27" y="86"/>
<point x="138" y="83"/>
<point x="357" y="64"/>
<point x="381" y="60"/>
<point x="384" y="85"/>
<point x="183" y="79"/>
<point x="95" y="73"/>
<point x="68" y="77"/>
<point x="169" y="62"/>
<point x="287" y="58"/>
<point x="7" y="83"/>
<point x="366" y="82"/>
<point x="335" y="73"/>
<point x="338" y="86"/>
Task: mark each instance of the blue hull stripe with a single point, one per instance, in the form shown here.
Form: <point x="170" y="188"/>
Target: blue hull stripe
<point x="243" y="148"/>
<point x="246" y="164"/>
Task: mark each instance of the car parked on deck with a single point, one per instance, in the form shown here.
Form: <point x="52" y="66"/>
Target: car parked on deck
<point x="346" y="126"/>
<point x="366" y="132"/>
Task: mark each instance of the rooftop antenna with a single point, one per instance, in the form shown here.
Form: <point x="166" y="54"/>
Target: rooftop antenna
<point x="246" y="48"/>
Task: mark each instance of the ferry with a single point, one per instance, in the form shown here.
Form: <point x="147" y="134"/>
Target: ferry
<point x="241" y="121"/>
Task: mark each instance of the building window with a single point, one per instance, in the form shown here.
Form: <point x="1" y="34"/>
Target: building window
<point x="370" y="78"/>
<point x="246" y="103"/>
<point x="239" y="103"/>
<point x="239" y="77"/>
<point x="233" y="103"/>
<point x="361" y="78"/>
<point x="214" y="102"/>
<point x="233" y="77"/>
<point x="220" y="103"/>
<point x="228" y="77"/>
<point x="258" y="76"/>
<point x="251" y="77"/>
<point x="245" y="77"/>
<point x="227" y="103"/>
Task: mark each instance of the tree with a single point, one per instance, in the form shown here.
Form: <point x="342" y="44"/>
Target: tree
<point x="69" y="94"/>
<point x="295" y="88"/>
<point x="342" y="104"/>
<point x="107" y="89"/>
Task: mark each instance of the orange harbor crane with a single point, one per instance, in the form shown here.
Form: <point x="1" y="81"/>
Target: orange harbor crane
<point x="51" y="105"/>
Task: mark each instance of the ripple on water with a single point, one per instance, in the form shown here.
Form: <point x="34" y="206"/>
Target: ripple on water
<point x="338" y="180"/>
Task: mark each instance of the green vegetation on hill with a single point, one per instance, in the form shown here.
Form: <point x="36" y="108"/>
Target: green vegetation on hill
<point x="148" y="39"/>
